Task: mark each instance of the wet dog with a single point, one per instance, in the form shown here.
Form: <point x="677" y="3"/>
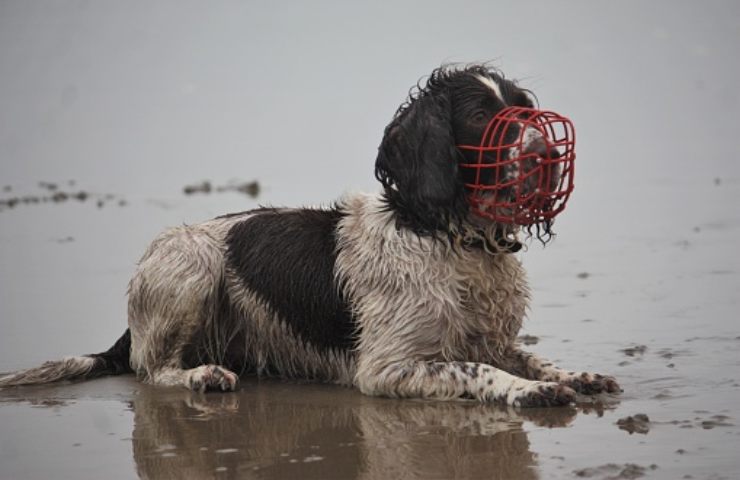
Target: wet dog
<point x="405" y="293"/>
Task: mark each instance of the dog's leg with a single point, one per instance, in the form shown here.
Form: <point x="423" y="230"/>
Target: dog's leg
<point x="202" y="378"/>
<point x="533" y="367"/>
<point x="174" y="300"/>
<point x="451" y="380"/>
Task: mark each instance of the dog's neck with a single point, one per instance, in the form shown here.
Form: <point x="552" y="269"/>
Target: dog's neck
<point x="500" y="244"/>
<point x="489" y="238"/>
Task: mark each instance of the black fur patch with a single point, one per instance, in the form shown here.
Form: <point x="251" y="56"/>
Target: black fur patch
<point x="288" y="259"/>
<point x="115" y="360"/>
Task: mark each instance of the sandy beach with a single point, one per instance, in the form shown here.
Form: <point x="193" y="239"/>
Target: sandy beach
<point x="116" y="119"/>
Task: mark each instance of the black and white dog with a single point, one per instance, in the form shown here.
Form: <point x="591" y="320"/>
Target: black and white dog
<point x="405" y="293"/>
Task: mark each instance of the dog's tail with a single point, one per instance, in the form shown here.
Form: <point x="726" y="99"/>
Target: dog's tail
<point x="114" y="361"/>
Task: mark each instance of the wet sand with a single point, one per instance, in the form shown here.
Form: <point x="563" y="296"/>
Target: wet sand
<point x="276" y="430"/>
<point x="641" y="282"/>
<point x="668" y="335"/>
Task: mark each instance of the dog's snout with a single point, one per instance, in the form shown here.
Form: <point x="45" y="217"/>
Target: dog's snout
<point x="534" y="142"/>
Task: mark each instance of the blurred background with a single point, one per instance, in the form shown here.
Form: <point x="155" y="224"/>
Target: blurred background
<point x="109" y="109"/>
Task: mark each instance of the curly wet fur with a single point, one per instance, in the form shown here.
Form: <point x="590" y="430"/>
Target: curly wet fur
<point x="402" y="293"/>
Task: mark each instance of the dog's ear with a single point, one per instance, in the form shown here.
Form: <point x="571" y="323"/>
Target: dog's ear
<point x="418" y="166"/>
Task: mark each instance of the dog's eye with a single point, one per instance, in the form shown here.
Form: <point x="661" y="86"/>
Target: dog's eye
<point x="480" y="116"/>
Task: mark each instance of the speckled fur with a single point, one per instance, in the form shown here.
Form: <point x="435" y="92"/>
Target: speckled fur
<point x="174" y="304"/>
<point x="435" y="320"/>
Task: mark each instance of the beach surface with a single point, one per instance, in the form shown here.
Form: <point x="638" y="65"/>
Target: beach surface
<point x="114" y="119"/>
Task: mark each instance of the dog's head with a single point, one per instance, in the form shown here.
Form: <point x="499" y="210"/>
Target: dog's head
<point x="470" y="148"/>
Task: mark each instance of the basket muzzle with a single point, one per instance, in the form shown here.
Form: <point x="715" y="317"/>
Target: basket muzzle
<point x="522" y="171"/>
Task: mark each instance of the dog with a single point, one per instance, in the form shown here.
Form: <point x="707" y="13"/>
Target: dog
<point x="410" y="292"/>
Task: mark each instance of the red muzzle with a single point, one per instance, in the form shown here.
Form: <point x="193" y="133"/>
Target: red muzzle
<point x="522" y="171"/>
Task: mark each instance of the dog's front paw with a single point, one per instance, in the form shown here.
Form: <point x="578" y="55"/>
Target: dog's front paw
<point x="212" y="377"/>
<point x="544" y="394"/>
<point x="592" y="383"/>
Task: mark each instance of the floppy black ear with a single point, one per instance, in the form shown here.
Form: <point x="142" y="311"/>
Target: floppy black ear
<point x="418" y="166"/>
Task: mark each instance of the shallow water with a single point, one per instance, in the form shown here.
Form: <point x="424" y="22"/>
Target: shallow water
<point x="668" y="334"/>
<point x="275" y="430"/>
<point x="642" y="281"/>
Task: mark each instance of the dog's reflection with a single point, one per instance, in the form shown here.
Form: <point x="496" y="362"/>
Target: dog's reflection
<point x="279" y="431"/>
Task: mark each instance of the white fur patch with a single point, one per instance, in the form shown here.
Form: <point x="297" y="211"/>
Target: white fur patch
<point x="417" y="298"/>
<point x="491" y="83"/>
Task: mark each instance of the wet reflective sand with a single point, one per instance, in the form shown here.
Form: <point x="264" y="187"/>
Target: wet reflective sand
<point x="274" y="430"/>
<point x="668" y="335"/>
<point x="111" y="111"/>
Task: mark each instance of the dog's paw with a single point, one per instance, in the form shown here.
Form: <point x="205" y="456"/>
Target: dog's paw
<point x="544" y="394"/>
<point x="592" y="383"/>
<point x="207" y="405"/>
<point x="212" y="377"/>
